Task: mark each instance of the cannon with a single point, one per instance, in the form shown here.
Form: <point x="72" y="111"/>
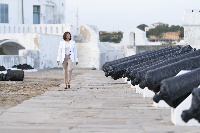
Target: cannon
<point x="109" y="67"/>
<point x="15" y="75"/>
<point x="174" y="90"/>
<point x="131" y="72"/>
<point x="154" y="77"/>
<point x="106" y="66"/>
<point x="2" y="68"/>
<point x="140" y="75"/>
<point x="119" y="70"/>
<point x="163" y="58"/>
<point x="3" y="77"/>
<point x="186" y="49"/>
<point x="23" y="67"/>
<point x="194" y="110"/>
<point x="12" y="75"/>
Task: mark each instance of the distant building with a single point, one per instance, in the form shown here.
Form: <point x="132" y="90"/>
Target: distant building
<point x="153" y="26"/>
<point x="171" y="35"/>
<point x="167" y="38"/>
<point x="101" y="32"/>
<point x="168" y="35"/>
<point x="105" y="36"/>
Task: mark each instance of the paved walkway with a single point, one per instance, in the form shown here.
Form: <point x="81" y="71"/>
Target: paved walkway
<point x="94" y="103"/>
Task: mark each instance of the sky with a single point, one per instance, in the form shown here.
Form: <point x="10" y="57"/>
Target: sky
<point x="122" y="15"/>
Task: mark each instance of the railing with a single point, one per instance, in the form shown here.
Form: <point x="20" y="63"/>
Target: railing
<point x="53" y="29"/>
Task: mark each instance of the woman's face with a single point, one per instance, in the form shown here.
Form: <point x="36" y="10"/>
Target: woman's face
<point x="67" y="36"/>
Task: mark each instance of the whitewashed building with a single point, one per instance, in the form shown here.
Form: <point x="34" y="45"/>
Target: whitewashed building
<point x="30" y="31"/>
<point x="33" y="11"/>
<point x="191" y="23"/>
<point x="135" y="41"/>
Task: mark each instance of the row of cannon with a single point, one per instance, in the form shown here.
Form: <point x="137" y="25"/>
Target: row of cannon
<point x="20" y="66"/>
<point x="14" y="75"/>
<point x="157" y="71"/>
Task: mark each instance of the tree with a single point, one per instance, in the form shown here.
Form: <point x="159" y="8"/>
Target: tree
<point x="142" y="27"/>
<point x="182" y="32"/>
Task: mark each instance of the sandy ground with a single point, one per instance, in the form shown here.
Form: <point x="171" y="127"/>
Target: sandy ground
<point x="34" y="84"/>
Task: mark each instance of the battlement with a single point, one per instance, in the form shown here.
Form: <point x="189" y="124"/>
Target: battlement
<point x="191" y="17"/>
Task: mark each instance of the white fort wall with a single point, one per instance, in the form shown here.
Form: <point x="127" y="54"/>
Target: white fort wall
<point x="134" y="37"/>
<point x="191" y="23"/>
<point x="49" y="50"/>
<point x="40" y="41"/>
<point x="51" y="11"/>
<point x="91" y="49"/>
<point x="92" y="53"/>
<point x="40" y="50"/>
<point x="54" y="29"/>
<point x="29" y="41"/>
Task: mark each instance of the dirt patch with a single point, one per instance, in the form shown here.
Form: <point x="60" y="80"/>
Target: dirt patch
<point x="34" y="84"/>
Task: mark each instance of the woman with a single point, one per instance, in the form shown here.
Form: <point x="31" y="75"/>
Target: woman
<point x="67" y="54"/>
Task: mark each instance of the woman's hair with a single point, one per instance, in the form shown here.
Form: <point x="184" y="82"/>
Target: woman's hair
<point x="64" y="35"/>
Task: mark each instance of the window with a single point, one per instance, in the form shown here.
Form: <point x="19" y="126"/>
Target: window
<point x="3" y="13"/>
<point x="36" y="14"/>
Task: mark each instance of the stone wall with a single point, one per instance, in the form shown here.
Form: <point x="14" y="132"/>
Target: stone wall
<point x="85" y="33"/>
<point x="49" y="51"/>
<point x="53" y="29"/>
<point x="114" y="51"/>
<point x="93" y="53"/>
<point x="29" y="40"/>
<point x="134" y="37"/>
<point x="40" y="49"/>
<point x="129" y="50"/>
<point x="191" y="23"/>
<point x="141" y="48"/>
<point x="10" y="60"/>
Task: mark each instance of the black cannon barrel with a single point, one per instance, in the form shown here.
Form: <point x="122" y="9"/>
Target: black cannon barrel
<point x="155" y="57"/>
<point x="23" y="67"/>
<point x="1" y="76"/>
<point x="15" y="75"/>
<point x="2" y="68"/>
<point x="154" y="77"/>
<point x="117" y="71"/>
<point x="194" y="110"/>
<point x="140" y="76"/>
<point x="131" y="73"/>
<point x="108" y="64"/>
<point x="174" y="90"/>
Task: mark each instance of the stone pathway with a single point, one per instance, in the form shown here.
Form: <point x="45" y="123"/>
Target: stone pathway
<point x="94" y="103"/>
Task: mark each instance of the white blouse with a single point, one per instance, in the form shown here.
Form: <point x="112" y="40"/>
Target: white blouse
<point x="67" y="48"/>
